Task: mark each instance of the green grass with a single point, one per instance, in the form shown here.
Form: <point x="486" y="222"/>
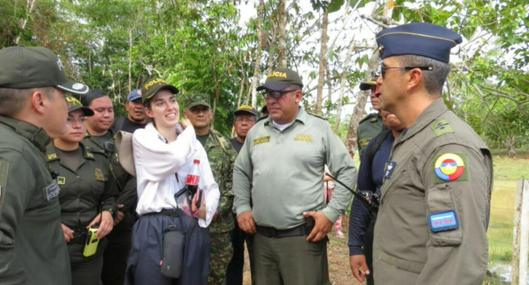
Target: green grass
<point x="507" y="173"/>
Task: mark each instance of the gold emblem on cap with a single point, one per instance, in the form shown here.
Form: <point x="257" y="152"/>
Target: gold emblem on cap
<point x="277" y="74"/>
<point x="72" y="101"/>
<point x="151" y="83"/>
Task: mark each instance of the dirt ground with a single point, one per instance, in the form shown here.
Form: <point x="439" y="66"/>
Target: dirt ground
<point x="338" y="254"/>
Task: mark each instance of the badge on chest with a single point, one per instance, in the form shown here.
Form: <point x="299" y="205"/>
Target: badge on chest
<point x="390" y="167"/>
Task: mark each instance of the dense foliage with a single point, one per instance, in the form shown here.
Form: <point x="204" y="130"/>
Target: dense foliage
<point x="204" y="46"/>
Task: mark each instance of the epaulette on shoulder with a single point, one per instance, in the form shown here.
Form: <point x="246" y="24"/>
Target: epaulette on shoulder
<point x="317" y="116"/>
<point x="441" y="127"/>
<point x="369" y="116"/>
<point x="52" y="156"/>
<point x="89" y="155"/>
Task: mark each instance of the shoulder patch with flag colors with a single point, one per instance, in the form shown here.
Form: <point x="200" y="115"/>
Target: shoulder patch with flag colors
<point x="449" y="167"/>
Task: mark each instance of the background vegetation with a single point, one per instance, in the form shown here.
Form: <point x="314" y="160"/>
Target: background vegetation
<point x="225" y="48"/>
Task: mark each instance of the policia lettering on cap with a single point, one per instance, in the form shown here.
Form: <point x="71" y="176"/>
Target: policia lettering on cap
<point x="434" y="209"/>
<point x="32" y="108"/>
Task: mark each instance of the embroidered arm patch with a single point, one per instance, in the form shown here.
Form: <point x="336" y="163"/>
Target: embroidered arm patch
<point x="450" y="167"/>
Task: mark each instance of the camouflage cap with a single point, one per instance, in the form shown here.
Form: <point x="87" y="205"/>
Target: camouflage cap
<point x="154" y="86"/>
<point x="280" y="79"/>
<point x="74" y="105"/>
<point x="35" y="67"/>
<point x="197" y="99"/>
<point x="245" y="110"/>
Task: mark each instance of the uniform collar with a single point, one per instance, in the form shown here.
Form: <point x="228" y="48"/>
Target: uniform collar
<point x="301" y="117"/>
<point x="34" y="134"/>
<point x="434" y="111"/>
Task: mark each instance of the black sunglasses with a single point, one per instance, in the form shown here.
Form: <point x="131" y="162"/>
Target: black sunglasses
<point x="277" y="94"/>
<point x="383" y="68"/>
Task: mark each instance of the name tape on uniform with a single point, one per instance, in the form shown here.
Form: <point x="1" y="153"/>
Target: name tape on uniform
<point x="443" y="221"/>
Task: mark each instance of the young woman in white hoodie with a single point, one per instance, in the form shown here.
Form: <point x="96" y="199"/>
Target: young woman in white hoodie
<point x="163" y="157"/>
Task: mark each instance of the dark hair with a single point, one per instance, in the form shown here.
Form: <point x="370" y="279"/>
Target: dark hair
<point x="433" y="79"/>
<point x="91" y="96"/>
<point x="12" y="100"/>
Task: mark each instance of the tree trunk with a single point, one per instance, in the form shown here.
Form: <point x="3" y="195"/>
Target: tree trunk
<point x="361" y="100"/>
<point x="343" y="82"/>
<point x="130" y="60"/>
<point x="282" y="19"/>
<point x="323" y="61"/>
<point x="259" y="53"/>
<point x="23" y="22"/>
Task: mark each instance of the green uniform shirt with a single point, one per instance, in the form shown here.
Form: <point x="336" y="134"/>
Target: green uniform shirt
<point x="368" y="128"/>
<point x="439" y="167"/>
<point x="221" y="157"/>
<point x="281" y="172"/>
<point x="32" y="246"/>
<point x="85" y="191"/>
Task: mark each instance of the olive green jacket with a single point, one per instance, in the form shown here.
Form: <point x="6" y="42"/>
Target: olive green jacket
<point x="32" y="246"/>
<point x="438" y="166"/>
<point x="85" y="191"/>
<point x="221" y="156"/>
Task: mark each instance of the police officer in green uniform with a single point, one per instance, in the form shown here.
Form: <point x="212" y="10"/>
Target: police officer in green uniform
<point x="371" y="125"/>
<point x="32" y="108"/>
<point x="99" y="139"/>
<point x="86" y="196"/>
<point x="245" y="118"/>
<point x="278" y="178"/>
<point x="221" y="157"/>
<point x="435" y="200"/>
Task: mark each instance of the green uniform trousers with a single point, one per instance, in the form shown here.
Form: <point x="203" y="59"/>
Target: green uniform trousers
<point x="290" y="260"/>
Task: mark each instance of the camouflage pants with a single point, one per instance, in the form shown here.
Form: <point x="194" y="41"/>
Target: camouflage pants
<point x="221" y="253"/>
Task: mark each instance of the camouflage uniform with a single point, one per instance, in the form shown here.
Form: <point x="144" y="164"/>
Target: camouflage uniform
<point x="221" y="157"/>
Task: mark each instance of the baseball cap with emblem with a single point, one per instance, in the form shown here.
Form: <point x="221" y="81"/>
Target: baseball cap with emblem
<point x="280" y="79"/>
<point x="154" y="86"/>
<point x="422" y="39"/>
<point x="134" y="95"/>
<point x="35" y="67"/>
<point x="74" y="104"/>
<point x="197" y="99"/>
<point x="245" y="110"/>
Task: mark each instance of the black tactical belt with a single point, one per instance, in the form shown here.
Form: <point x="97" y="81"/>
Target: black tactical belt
<point x="300" y="230"/>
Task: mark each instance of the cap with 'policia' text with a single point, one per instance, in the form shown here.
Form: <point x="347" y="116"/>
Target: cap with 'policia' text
<point x="74" y="105"/>
<point x="35" y="67"/>
<point x="422" y="39"/>
<point x="245" y="110"/>
<point x="280" y="79"/>
<point x="154" y="86"/>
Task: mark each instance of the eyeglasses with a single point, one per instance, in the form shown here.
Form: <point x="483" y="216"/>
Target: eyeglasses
<point x="383" y="69"/>
<point x="277" y="94"/>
